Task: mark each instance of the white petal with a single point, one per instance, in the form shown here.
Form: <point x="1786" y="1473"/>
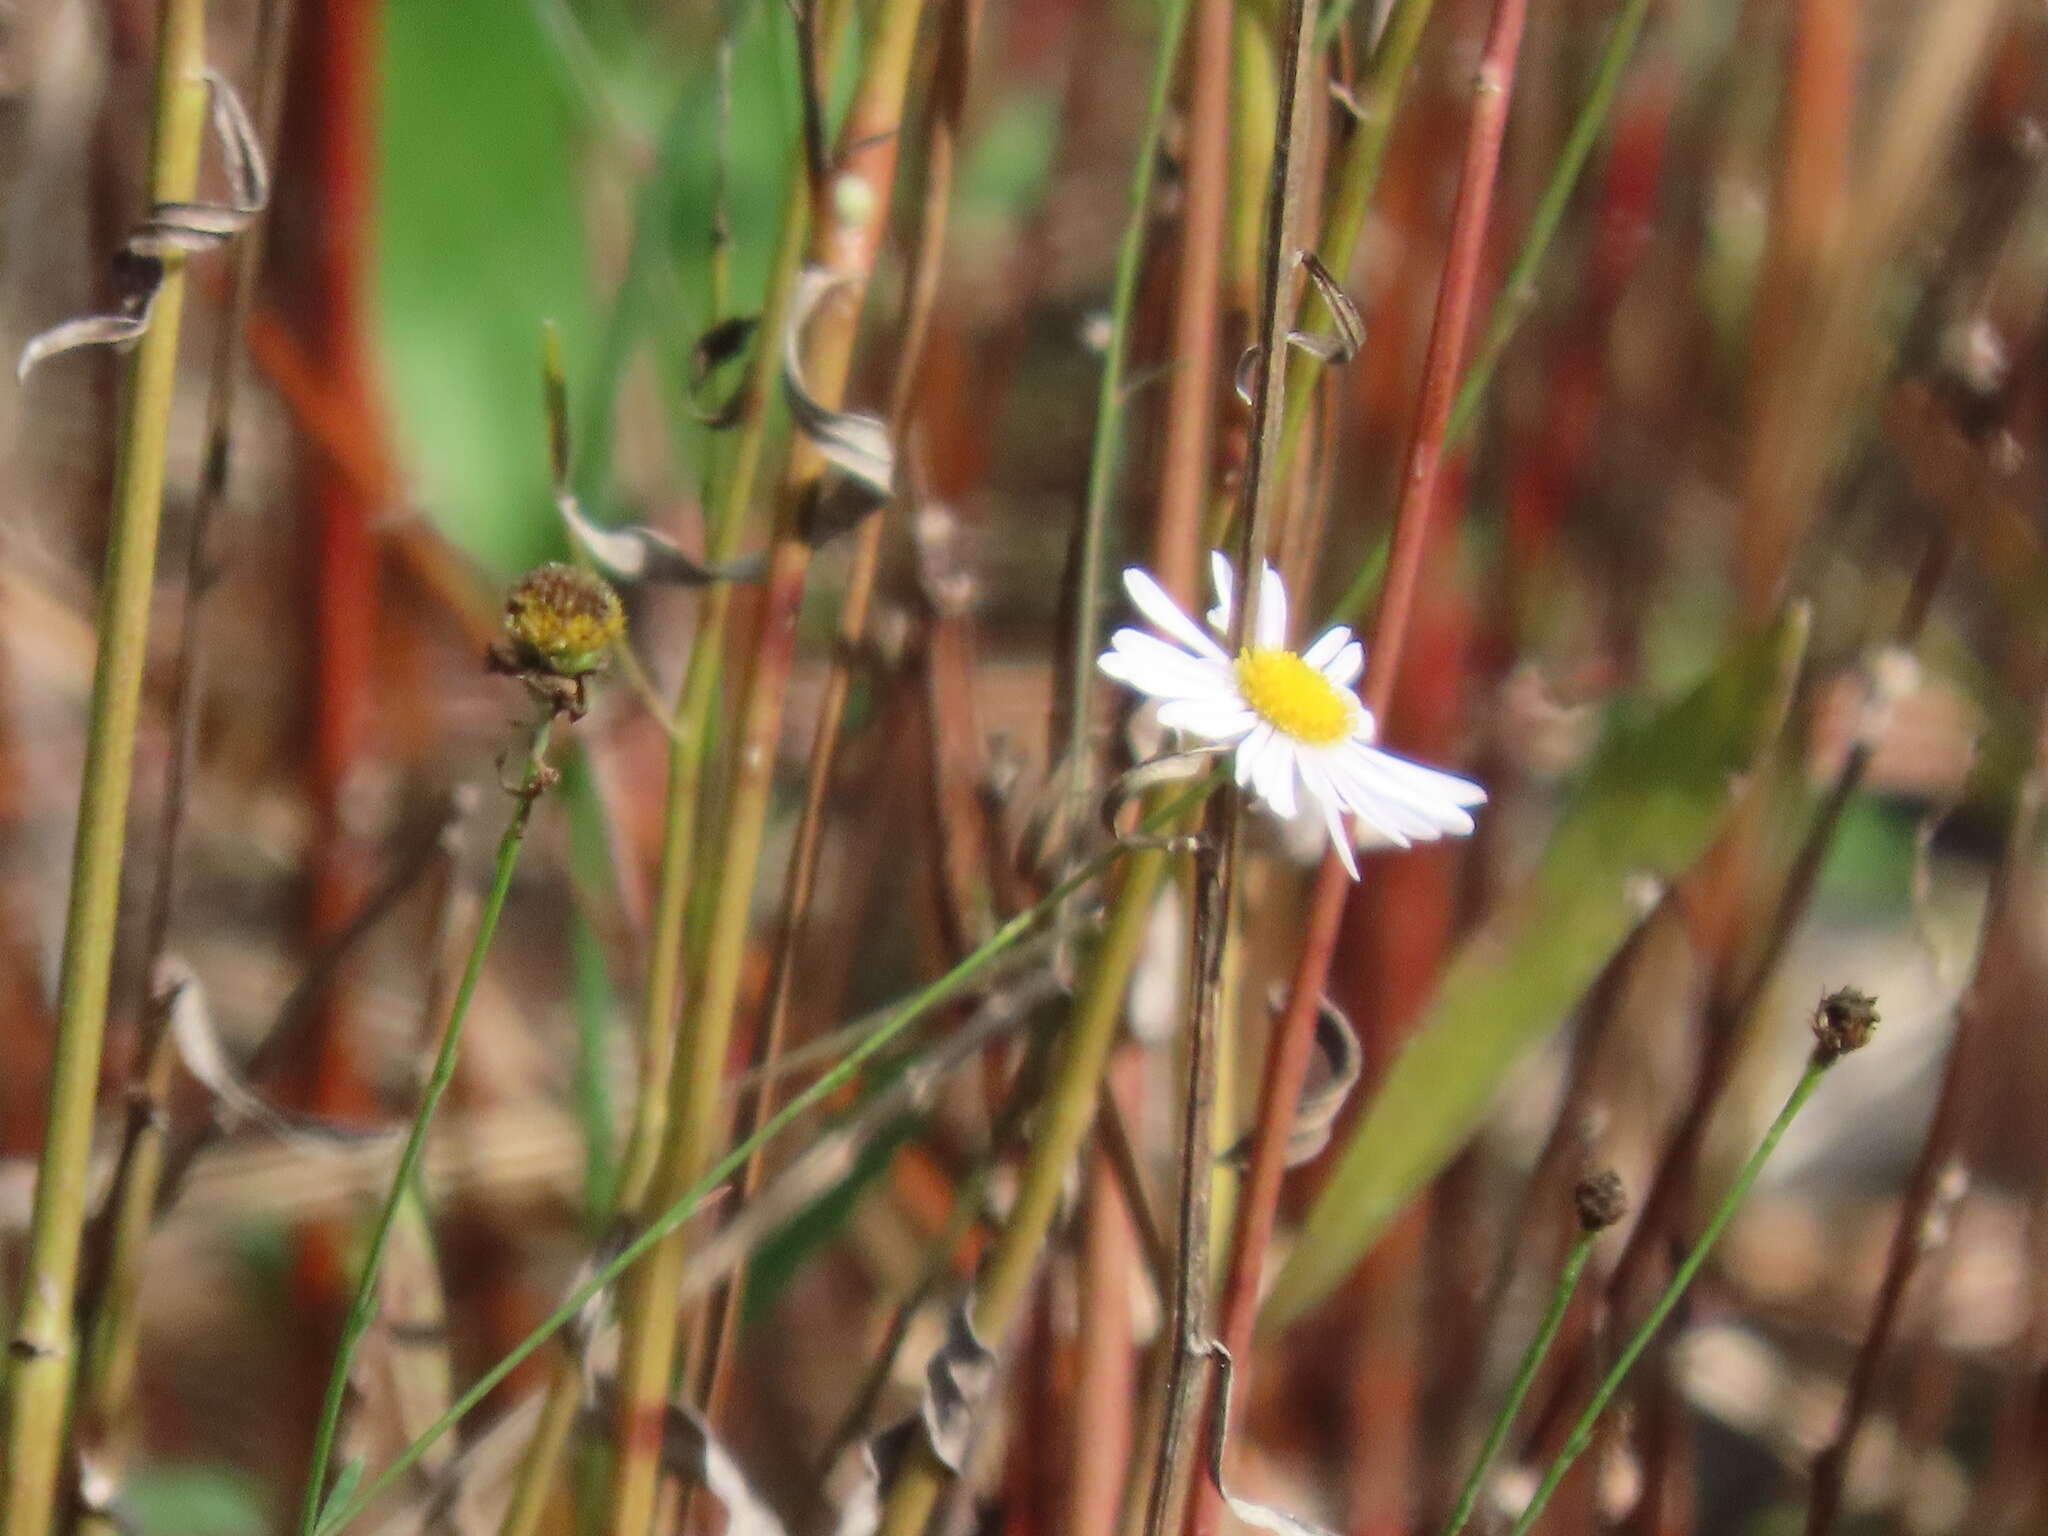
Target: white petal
<point x="1248" y="752"/>
<point x="1153" y="602"/>
<point x="1315" y="780"/>
<point x="1153" y="667"/>
<point x="1340" y="839"/>
<point x="1389" y="814"/>
<point x="1344" y="668"/>
<point x="1275" y="777"/>
<point x="1431" y="781"/>
<point x="1211" y="720"/>
<point x="1328" y="644"/>
<point x="1224" y="580"/>
<point x="1387" y="801"/>
<point x="1272" y="610"/>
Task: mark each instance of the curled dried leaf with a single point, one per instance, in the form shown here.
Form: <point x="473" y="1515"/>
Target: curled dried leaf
<point x="857" y="446"/>
<point x="1261" y="1516"/>
<point x="691" y="1453"/>
<point x="1339" y="348"/>
<point x="171" y="229"/>
<point x="956" y="1383"/>
<point x="694" y="1453"/>
<point x="1350" y="336"/>
<point x="1339" y="1060"/>
<point x="637" y="553"/>
<point x="179" y="993"/>
<point x="718" y="346"/>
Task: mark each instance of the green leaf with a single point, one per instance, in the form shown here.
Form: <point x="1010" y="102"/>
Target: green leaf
<point x="1650" y="804"/>
<point x="479" y="240"/>
<point x="197" y="1500"/>
<point x="346" y="1481"/>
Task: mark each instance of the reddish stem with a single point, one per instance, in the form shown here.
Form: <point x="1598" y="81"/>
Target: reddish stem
<point x="1293" y="1039"/>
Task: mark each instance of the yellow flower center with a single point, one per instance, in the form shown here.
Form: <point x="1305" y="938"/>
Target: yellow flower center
<point x="1293" y="697"/>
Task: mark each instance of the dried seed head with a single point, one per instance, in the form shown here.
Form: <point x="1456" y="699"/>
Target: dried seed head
<point x="1844" y="1022"/>
<point x="1601" y="1201"/>
<point x="563" y="621"/>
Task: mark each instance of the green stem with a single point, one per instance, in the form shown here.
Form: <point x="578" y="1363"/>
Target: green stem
<point x="43" y="1348"/>
<point x="1107" y="452"/>
<point x="362" y="1309"/>
<point x="1063" y="1119"/>
<point x="1582" y="1431"/>
<point x="1525" y="1378"/>
<point x="661" y="1224"/>
<point x="1518" y="294"/>
<point x="845" y="239"/>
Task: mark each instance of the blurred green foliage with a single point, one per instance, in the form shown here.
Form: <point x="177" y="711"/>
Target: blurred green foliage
<point x="1654" y="797"/>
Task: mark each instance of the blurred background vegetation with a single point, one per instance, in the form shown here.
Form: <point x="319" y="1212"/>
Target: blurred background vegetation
<point x="1733" y="600"/>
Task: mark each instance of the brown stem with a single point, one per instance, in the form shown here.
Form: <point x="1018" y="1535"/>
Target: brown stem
<point x="1293" y="1036"/>
<point x="1216" y="860"/>
<point x="1944" y="1134"/>
<point x="758" y="1102"/>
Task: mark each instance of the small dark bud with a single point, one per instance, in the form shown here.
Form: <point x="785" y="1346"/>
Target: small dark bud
<point x="1601" y="1201"/>
<point x="1844" y="1022"/>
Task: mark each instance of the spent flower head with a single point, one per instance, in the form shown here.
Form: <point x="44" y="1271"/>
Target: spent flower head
<point x="1844" y="1022"/>
<point x="1301" y="736"/>
<point x="563" y="620"/>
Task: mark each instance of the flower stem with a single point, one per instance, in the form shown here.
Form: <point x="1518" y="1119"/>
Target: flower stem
<point x="362" y="1309"/>
<point x="1293" y="1034"/>
<point x="660" y="1225"/>
<point x="42" y="1348"/>
<point x="1582" y="1432"/>
<point x="1525" y="1378"/>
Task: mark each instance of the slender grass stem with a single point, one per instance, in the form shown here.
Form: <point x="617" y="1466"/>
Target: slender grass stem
<point x="1064" y="1118"/>
<point x="845" y="240"/>
<point x="362" y="1309"/>
<point x="690" y="742"/>
<point x="1518" y="293"/>
<point x="1525" y="1378"/>
<point x="1216" y="865"/>
<point x="1292" y="1037"/>
<point x="1106" y="453"/>
<point x="1582" y="1432"/>
<point x="943" y="121"/>
<point x="43" y="1347"/>
<point x="661" y="1224"/>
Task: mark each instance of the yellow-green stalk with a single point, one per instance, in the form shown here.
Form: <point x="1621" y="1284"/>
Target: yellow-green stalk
<point x="844" y="241"/>
<point x="43" y="1347"/>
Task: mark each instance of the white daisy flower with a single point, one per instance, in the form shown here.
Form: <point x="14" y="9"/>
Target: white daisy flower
<point x="1299" y="730"/>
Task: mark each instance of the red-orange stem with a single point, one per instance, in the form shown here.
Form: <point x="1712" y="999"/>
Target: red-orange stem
<point x="1288" y="1057"/>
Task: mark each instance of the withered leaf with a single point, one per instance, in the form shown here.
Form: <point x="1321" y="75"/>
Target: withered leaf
<point x="637" y="553"/>
<point x="857" y="446"/>
<point x="956" y="1382"/>
<point x="1350" y="336"/>
<point x="190" y="1021"/>
<point x="1332" y="1076"/>
<point x="172" y="228"/>
<point x="1262" y="1516"/>
<point x="721" y="344"/>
